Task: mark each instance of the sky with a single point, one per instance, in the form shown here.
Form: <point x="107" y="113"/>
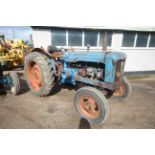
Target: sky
<point x="16" y="32"/>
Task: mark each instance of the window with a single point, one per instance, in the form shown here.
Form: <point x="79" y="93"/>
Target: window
<point x="90" y="38"/>
<point x="152" y="41"/>
<point x="74" y="38"/>
<point x="128" y="39"/>
<point x="142" y="40"/>
<point x="102" y="35"/>
<point x="59" y="37"/>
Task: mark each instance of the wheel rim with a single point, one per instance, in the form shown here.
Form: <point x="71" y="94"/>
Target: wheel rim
<point x="89" y="107"/>
<point x="34" y="75"/>
<point x="121" y="90"/>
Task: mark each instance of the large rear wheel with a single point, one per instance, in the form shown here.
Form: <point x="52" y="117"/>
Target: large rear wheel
<point x="91" y="104"/>
<point x="39" y="74"/>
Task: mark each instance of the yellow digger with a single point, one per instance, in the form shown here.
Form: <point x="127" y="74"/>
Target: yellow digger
<point x="12" y="52"/>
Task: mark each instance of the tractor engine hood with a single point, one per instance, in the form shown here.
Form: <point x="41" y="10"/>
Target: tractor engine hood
<point x="99" y="57"/>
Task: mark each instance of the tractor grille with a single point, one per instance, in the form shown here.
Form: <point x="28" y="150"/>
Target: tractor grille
<point x="119" y="70"/>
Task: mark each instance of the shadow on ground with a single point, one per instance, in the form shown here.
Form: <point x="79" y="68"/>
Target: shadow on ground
<point x="84" y="124"/>
<point x="24" y="87"/>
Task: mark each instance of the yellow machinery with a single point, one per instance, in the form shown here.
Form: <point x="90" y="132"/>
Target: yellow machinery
<point x="12" y="52"/>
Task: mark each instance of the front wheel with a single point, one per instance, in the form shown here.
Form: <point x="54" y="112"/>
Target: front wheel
<point x="124" y="90"/>
<point x="91" y="104"/>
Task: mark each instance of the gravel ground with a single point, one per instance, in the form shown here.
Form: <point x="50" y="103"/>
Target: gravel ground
<point x="56" y="111"/>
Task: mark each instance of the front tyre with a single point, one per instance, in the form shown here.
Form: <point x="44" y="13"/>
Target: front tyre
<point x="124" y="90"/>
<point x="91" y="104"/>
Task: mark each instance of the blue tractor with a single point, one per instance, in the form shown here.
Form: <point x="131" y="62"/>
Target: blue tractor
<point x="99" y="74"/>
<point x="9" y="83"/>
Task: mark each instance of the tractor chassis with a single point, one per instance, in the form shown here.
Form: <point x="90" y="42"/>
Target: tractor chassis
<point x="106" y="85"/>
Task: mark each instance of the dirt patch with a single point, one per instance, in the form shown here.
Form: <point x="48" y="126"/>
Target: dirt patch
<point x="57" y="111"/>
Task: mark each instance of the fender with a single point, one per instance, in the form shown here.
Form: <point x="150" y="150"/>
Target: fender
<point x="41" y="50"/>
<point x="47" y="53"/>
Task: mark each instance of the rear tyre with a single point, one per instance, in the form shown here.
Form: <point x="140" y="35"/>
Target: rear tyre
<point x="15" y="88"/>
<point x="124" y="90"/>
<point x="91" y="105"/>
<point x="39" y="74"/>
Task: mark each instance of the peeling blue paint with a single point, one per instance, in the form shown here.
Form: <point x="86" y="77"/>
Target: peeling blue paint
<point x="84" y="56"/>
<point x="98" y="57"/>
<point x="107" y="58"/>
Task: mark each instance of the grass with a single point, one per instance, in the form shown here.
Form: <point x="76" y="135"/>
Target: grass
<point x="140" y="77"/>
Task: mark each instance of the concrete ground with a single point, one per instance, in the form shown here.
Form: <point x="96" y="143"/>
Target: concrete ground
<point x="56" y="111"/>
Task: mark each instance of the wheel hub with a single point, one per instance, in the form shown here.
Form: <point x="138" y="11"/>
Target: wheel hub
<point x="34" y="75"/>
<point x="120" y="90"/>
<point x="89" y="107"/>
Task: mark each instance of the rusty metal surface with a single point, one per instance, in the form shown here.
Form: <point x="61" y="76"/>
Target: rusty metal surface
<point x="97" y="83"/>
<point x="119" y="70"/>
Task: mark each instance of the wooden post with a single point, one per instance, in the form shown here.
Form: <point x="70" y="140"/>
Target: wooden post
<point x="105" y="41"/>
